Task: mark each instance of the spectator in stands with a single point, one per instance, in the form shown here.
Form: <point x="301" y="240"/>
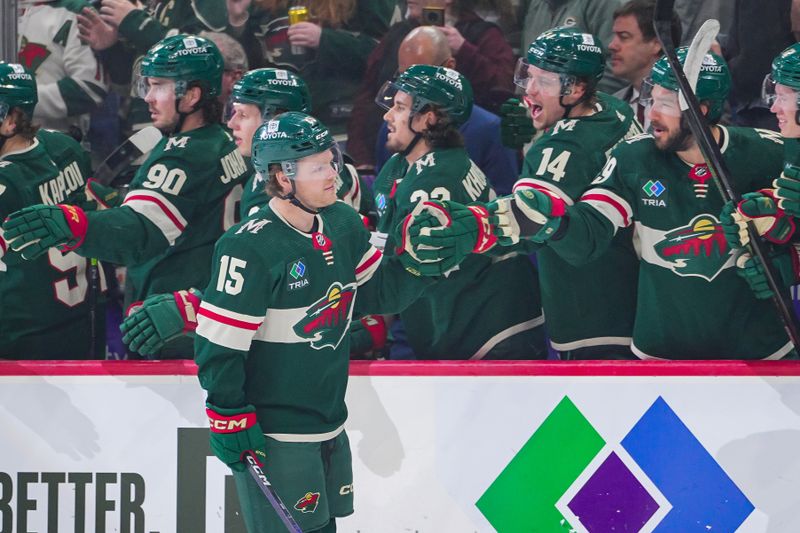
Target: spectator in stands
<point x="479" y="48"/>
<point x="71" y="82"/>
<point x="328" y="47"/>
<point x="428" y="45"/>
<point x="635" y="48"/>
<point x="589" y="16"/>
<point x="759" y="32"/>
<point x="124" y="32"/>
<point x="693" y="13"/>
<point x="235" y="59"/>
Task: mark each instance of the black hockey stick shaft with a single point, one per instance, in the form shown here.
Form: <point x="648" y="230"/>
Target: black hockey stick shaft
<point x="94" y="290"/>
<point x="716" y="164"/>
<point x="272" y="496"/>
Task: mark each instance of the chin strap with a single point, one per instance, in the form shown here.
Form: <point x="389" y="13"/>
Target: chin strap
<point x="181" y="116"/>
<point x="294" y="200"/>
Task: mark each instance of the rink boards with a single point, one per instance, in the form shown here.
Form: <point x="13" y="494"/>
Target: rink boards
<point x="437" y="447"/>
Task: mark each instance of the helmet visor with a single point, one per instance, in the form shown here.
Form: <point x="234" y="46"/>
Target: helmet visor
<point x="317" y="167"/>
<point x="536" y="80"/>
<point x="779" y="95"/>
<point x="659" y="100"/>
<point x="386" y="94"/>
<point x="4" y="107"/>
<point x="156" y="88"/>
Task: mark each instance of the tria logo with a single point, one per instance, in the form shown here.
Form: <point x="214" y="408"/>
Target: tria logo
<point x="697" y="249"/>
<point x="328" y="319"/>
<point x="655" y="191"/>
<point x="308" y="503"/>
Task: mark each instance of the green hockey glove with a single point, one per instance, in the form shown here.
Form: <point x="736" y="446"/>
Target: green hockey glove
<point x="761" y="208"/>
<point x="159" y="319"/>
<point x="787" y="190"/>
<point x="516" y="126"/>
<point x="234" y="432"/>
<point x="439" y="235"/>
<point x="33" y="230"/>
<point x="527" y="214"/>
<point x="785" y="263"/>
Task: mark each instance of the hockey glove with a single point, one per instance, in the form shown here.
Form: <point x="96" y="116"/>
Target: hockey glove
<point x="101" y="197"/>
<point x="439" y="235"/>
<point x="760" y="208"/>
<point x="516" y="126"/>
<point x="367" y="335"/>
<point x="33" y="230"/>
<point x="787" y="190"/>
<point x="160" y="319"/>
<point x="784" y="263"/>
<point x="234" y="432"/>
<point x="527" y="214"/>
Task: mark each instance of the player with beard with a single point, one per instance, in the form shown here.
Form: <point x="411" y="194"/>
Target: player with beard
<point x="691" y="303"/>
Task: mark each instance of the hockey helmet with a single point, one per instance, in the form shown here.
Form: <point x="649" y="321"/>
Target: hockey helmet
<point x="17" y="89"/>
<point x="183" y="59"/>
<point x="713" y="83"/>
<point x="272" y="90"/>
<point x="786" y="72"/>
<point x="572" y="54"/>
<point x="289" y="137"/>
<point x="427" y="85"/>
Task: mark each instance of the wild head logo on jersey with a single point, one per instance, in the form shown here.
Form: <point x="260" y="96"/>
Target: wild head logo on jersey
<point x="697" y="249"/>
<point x="308" y="503"/>
<point x="327" y="320"/>
<point x="32" y="54"/>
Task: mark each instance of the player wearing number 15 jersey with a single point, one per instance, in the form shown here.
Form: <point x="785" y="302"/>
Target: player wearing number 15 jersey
<point x="42" y="304"/>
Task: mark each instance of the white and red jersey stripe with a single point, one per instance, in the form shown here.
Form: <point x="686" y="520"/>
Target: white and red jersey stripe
<point x="227" y="328"/>
<point x="543" y="186"/>
<point x="156" y="208"/>
<point x="612" y="206"/>
<point x="368" y="265"/>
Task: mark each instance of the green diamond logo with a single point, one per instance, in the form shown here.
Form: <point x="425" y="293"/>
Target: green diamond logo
<point x="298" y="270"/>
<point x="527" y="490"/>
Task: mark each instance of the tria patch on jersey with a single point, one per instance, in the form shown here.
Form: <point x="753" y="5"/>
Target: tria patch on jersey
<point x="697" y="249"/>
<point x="327" y="320"/>
<point x="654" y="193"/>
<point x="297" y="275"/>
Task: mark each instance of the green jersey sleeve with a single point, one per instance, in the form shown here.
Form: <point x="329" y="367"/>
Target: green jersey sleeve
<point x="234" y="305"/>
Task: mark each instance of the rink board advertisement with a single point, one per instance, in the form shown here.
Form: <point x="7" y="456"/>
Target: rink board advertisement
<point x="123" y="447"/>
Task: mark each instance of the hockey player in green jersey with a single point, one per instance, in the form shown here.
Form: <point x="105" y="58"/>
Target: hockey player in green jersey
<point x="182" y="198"/>
<point x="690" y="302"/>
<point x="45" y="304"/>
<point x="272" y="346"/>
<point x="259" y="95"/>
<point x="487" y="308"/>
<point x="585" y="319"/>
<point x="767" y="209"/>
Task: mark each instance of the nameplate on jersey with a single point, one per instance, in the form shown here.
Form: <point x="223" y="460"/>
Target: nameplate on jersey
<point x="653" y="192"/>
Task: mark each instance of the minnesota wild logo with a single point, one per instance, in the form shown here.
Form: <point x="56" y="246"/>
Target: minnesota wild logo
<point x="327" y="320"/>
<point x="697" y="249"/>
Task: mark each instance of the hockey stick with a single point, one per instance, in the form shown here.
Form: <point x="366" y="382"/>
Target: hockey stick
<point x="716" y="164"/>
<point x="112" y="166"/>
<point x="266" y="487"/>
<point x="126" y="153"/>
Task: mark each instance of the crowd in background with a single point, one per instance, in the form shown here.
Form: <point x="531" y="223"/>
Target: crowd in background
<point x="85" y="58"/>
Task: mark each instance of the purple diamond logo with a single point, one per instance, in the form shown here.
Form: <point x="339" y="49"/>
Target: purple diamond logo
<point x="613" y="499"/>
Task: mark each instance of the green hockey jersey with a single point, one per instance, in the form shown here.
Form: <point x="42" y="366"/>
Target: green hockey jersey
<point x="272" y="327"/>
<point x="485" y="300"/>
<point x="181" y="200"/>
<point x="44" y="302"/>
<point x="580" y="312"/>
<point x="691" y="303"/>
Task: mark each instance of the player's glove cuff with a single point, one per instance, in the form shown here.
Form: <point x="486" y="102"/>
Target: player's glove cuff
<point x="188" y="303"/>
<point x="78" y="224"/>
